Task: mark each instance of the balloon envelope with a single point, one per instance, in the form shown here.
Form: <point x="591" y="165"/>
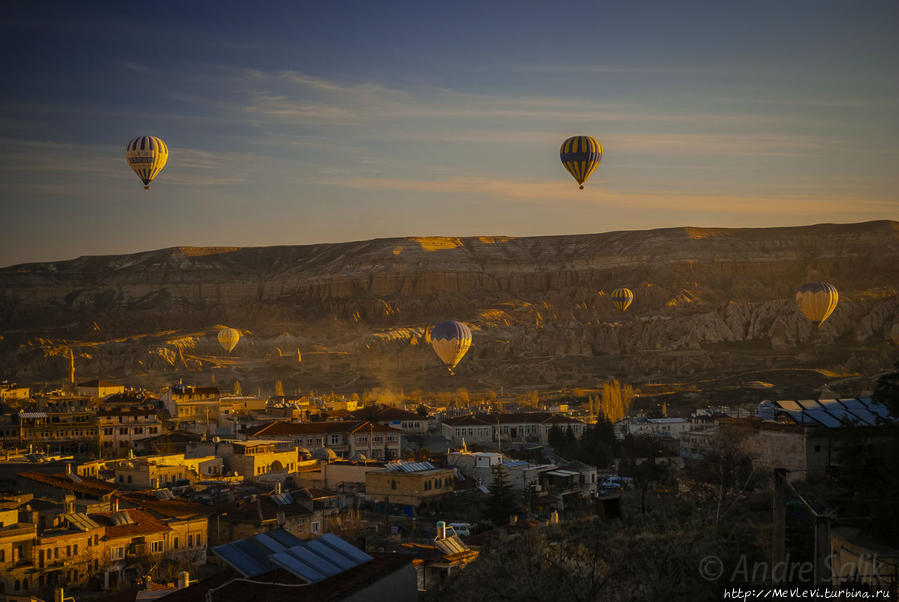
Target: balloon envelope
<point x="817" y="300"/>
<point x="894" y="333"/>
<point x="622" y="298"/>
<point x="147" y="155"/>
<point x="451" y="341"/>
<point x="581" y="156"/>
<point x="228" y="338"/>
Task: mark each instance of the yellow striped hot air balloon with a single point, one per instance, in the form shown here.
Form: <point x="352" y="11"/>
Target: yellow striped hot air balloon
<point x="622" y="298"/>
<point x="581" y="156"/>
<point x="817" y="300"/>
<point x="451" y="341"/>
<point x="228" y="338"/>
<point x="147" y="155"/>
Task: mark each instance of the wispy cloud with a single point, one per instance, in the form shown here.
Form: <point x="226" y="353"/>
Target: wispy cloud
<point x="554" y="193"/>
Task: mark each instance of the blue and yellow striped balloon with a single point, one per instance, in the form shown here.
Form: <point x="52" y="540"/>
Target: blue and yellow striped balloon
<point x="581" y="156"/>
<point x="147" y="155"/>
<point x="451" y="341"/>
<point x="817" y="300"/>
<point x="622" y="298"/>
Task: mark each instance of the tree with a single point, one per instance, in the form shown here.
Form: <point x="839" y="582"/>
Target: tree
<point x="866" y="478"/>
<point x="886" y="391"/>
<point x="502" y="502"/>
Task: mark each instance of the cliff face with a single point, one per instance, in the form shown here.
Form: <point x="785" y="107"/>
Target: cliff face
<point x="725" y="295"/>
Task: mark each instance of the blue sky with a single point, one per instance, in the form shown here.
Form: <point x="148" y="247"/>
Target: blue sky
<point x="293" y="123"/>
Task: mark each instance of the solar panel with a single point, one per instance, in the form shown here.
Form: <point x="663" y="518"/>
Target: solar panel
<point x="163" y="494"/>
<point x="841" y="412"/>
<point x="255" y="551"/>
<point x="284" y="538"/>
<point x="81" y="521"/>
<point x="344" y="548"/>
<point x="816" y="412"/>
<point x="269" y="543"/>
<point x="121" y="518"/>
<point x="293" y="565"/>
<point x="859" y="410"/>
<point x="334" y="557"/>
<point x="239" y="561"/>
<point x="317" y="561"/>
<point x="450" y="545"/>
<point x="875" y="408"/>
<point x="282" y="499"/>
<point x="793" y="409"/>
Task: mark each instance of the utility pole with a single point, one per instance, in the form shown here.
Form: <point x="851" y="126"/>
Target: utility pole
<point x="779" y="516"/>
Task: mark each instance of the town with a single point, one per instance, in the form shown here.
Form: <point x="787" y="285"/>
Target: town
<point x="109" y="491"/>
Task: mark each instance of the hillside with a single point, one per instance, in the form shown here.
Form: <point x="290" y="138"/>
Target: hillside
<point x="710" y="304"/>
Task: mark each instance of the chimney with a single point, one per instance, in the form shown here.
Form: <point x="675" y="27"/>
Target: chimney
<point x="441" y="529"/>
<point x="183" y="580"/>
<point x="68" y="468"/>
<point x="115" y="504"/>
<point x="278" y="488"/>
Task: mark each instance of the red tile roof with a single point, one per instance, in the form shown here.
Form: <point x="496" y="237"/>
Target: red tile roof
<point x="281" y="429"/>
<point x="517" y="418"/>
<point x="86" y="485"/>
<point x="144" y="524"/>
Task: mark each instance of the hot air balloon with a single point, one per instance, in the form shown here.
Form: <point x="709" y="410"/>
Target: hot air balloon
<point x="147" y="156"/>
<point x="894" y="333"/>
<point x="450" y="341"/>
<point x="581" y="156"/>
<point x="228" y="338"/>
<point x="817" y="300"/>
<point x="622" y="298"/>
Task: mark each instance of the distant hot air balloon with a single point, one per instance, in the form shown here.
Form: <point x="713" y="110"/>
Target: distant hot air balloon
<point x="894" y="333"/>
<point x="228" y="338"/>
<point x="817" y="300"/>
<point x="622" y="298"/>
<point x="147" y="156"/>
<point x="450" y="341"/>
<point x="581" y="156"/>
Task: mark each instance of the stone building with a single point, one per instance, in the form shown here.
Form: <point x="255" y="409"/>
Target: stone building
<point x="408" y="483"/>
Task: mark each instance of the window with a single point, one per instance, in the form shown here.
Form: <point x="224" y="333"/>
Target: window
<point x="199" y="539"/>
<point x="55" y="552"/>
<point x="335" y="439"/>
<point x="68" y="550"/>
<point x="817" y="449"/>
<point x="156" y="546"/>
<point x="190" y="540"/>
<point x="129" y="478"/>
<point x="123" y="431"/>
<point x="117" y="553"/>
<point x="315" y="526"/>
<point x="393" y="484"/>
<point x="2" y="555"/>
<point x="176" y="543"/>
<point x="75" y="549"/>
<point x="427" y="485"/>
